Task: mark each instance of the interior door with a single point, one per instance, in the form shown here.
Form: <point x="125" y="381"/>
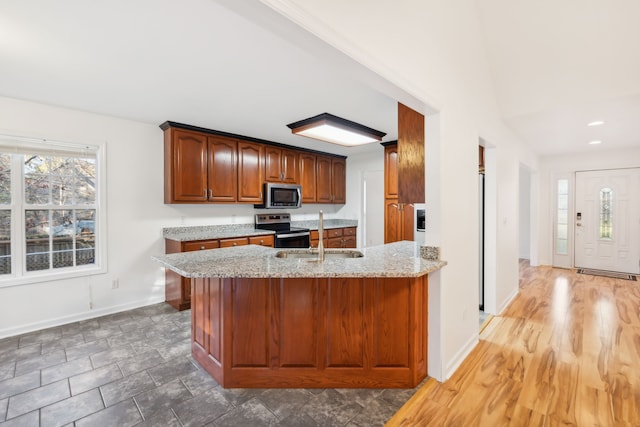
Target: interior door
<point x="607" y="220"/>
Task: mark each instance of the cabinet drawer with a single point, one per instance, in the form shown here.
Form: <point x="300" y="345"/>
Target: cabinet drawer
<point x="314" y="235"/>
<point x="349" y="231"/>
<point x="225" y="243"/>
<point x="200" y="245"/>
<point x="334" y="232"/>
<point x="262" y="240"/>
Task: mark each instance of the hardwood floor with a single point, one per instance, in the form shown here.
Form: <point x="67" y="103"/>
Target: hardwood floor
<point x="565" y="352"/>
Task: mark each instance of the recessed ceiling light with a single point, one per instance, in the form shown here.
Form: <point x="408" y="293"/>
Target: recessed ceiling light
<point x="596" y="123"/>
<point x="330" y="128"/>
<point x="595" y="142"/>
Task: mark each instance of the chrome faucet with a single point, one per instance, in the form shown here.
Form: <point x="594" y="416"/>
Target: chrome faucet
<point x="321" y="237"/>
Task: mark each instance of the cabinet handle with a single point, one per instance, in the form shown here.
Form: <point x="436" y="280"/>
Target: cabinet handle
<point x="235" y="244"/>
<point x="261" y="242"/>
<point x="210" y="193"/>
<point x="201" y="248"/>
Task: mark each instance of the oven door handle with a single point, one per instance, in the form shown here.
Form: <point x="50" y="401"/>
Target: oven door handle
<point x="286" y="236"/>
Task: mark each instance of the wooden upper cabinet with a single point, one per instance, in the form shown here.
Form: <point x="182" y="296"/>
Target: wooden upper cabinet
<point x="410" y="155"/>
<point x="250" y="173"/>
<point x="391" y="171"/>
<point x="323" y="179"/>
<point x="339" y="180"/>
<point x="207" y="166"/>
<point x="222" y="169"/>
<point x="280" y="165"/>
<point x="307" y="172"/>
<point x="185" y="166"/>
<point x="331" y="179"/>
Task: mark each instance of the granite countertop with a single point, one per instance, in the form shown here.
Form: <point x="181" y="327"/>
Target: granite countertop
<point x="399" y="259"/>
<point x="226" y="231"/>
<point x="208" y="232"/>
<point x="328" y="223"/>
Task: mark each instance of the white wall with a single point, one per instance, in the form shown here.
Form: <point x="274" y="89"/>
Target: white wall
<point x="566" y="166"/>
<point x="358" y="166"/>
<point x="136" y="215"/>
<point x="525" y="213"/>
<point x="433" y="50"/>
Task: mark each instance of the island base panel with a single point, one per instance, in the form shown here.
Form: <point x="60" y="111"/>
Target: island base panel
<point x="244" y="332"/>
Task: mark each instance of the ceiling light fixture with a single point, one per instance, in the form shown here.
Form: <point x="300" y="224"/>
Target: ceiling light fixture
<point x="596" y="123"/>
<point x="595" y="142"/>
<point x="334" y="129"/>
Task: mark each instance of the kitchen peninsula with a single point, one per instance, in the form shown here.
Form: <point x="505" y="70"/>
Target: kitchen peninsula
<point x="262" y="321"/>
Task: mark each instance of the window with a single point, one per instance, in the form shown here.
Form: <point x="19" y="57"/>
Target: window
<point x="49" y="209"/>
<point x="562" y="217"/>
<point x="606" y="223"/>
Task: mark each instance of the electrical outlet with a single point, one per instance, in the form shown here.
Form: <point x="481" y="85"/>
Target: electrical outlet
<point x="115" y="284"/>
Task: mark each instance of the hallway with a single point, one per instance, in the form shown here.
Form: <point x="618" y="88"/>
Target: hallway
<point x="565" y="352"/>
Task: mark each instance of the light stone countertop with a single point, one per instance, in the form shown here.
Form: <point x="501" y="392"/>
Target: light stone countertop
<point x="208" y="232"/>
<point x="399" y="259"/>
<point x="226" y="231"/>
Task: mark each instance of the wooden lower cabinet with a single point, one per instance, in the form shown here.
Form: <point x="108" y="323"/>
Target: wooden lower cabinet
<point x="311" y="332"/>
<point x="335" y="238"/>
<point x="398" y="220"/>
<point x="177" y="291"/>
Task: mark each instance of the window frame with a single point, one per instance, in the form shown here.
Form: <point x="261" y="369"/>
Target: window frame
<point x="19" y="276"/>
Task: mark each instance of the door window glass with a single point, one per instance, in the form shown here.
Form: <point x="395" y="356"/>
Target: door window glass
<point x="606" y="206"/>
<point x="562" y="217"/>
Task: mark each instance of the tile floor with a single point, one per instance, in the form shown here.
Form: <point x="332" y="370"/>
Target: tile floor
<point x="135" y="368"/>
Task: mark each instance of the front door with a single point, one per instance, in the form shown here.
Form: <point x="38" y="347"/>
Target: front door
<point x="607" y="220"/>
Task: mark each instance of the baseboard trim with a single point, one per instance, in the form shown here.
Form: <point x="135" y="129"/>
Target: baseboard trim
<point x="76" y="317"/>
<point x="508" y="301"/>
<point x="460" y="356"/>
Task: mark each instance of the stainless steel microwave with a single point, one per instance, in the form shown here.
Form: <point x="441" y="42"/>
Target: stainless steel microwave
<point x="279" y="196"/>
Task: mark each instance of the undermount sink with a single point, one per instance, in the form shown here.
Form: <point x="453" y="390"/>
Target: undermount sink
<point x="328" y="253"/>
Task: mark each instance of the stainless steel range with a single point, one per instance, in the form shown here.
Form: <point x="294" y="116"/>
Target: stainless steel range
<point x="286" y="236"/>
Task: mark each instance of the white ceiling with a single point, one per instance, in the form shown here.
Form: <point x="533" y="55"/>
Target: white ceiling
<point x="558" y="65"/>
<point x="239" y="67"/>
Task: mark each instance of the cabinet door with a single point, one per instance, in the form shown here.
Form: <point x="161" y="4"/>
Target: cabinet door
<point x="392" y="221"/>
<point x="222" y="169"/>
<point x="338" y="181"/>
<point x="187" y="179"/>
<point x="407" y="222"/>
<point x="273" y="164"/>
<point x="350" y="242"/>
<point x="323" y="179"/>
<point x="335" y="243"/>
<point x="391" y="172"/>
<point x="289" y="167"/>
<point x="250" y="173"/>
<point x="308" y="177"/>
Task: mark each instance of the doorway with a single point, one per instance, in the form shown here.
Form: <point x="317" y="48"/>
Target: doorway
<point x="607" y="220"/>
